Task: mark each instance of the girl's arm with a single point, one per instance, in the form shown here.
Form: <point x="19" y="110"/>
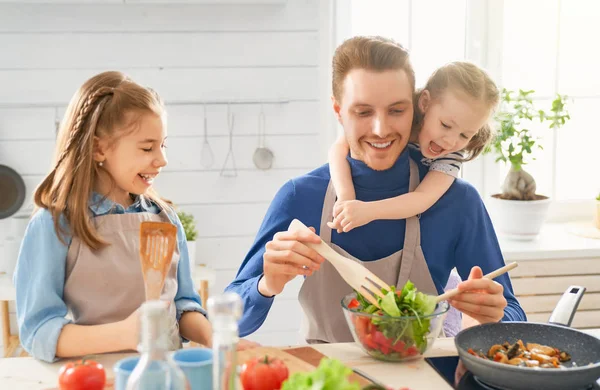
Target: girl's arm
<point x="195" y="327"/>
<point x="193" y="324"/>
<point x="80" y="340"/>
<point x="432" y="188"/>
<point x="340" y="170"/>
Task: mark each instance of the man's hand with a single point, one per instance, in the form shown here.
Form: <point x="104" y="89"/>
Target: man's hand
<point x="286" y="257"/>
<point x="481" y="299"/>
<point x="350" y="214"/>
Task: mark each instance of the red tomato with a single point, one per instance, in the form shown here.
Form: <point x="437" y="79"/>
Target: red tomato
<point x="263" y="374"/>
<point x="353" y="304"/>
<point x="399" y="346"/>
<point x="362" y="325"/>
<point x="412" y="351"/>
<point x="82" y="375"/>
<point x="380" y="339"/>
<point x="369" y="343"/>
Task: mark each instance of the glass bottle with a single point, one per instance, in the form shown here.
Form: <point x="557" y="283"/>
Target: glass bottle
<point x="155" y="370"/>
<point x="224" y="311"/>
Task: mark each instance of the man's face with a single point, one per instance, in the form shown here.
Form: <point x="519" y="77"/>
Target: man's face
<point x="376" y="111"/>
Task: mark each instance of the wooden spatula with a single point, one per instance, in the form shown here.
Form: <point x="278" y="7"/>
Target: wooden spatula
<point x="157" y="243"/>
<point x="355" y="274"/>
<point x="491" y="275"/>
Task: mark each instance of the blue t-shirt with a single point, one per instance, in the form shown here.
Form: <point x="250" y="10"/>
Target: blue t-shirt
<point x="455" y="232"/>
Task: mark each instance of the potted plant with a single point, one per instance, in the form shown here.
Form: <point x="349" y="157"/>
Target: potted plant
<point x="598" y="211"/>
<point x="189" y="227"/>
<point x="518" y="211"/>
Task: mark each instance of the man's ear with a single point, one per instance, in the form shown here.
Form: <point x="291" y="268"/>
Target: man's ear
<point x="99" y="150"/>
<point x="424" y="101"/>
<point x="336" y="109"/>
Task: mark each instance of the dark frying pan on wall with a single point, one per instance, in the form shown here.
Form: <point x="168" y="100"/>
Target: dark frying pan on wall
<point x="12" y="191"/>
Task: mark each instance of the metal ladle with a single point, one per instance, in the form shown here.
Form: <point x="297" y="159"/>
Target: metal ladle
<point x="263" y="156"/>
<point x="206" y="155"/>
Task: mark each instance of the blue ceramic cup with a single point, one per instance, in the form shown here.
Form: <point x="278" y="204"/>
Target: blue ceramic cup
<point x="123" y="369"/>
<point x="197" y="365"/>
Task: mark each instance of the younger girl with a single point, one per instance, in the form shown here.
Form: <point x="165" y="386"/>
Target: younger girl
<point x="80" y="253"/>
<point x="450" y="126"/>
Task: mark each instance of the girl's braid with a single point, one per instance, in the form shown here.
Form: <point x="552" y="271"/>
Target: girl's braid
<point x="86" y="108"/>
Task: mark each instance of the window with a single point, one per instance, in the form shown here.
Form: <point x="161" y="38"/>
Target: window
<point x="550" y="53"/>
<point x="545" y="45"/>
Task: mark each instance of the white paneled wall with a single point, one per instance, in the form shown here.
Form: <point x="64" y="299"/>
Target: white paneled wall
<point x="189" y="53"/>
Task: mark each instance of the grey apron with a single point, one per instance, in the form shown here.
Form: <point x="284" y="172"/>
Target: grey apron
<point x="106" y="285"/>
<point x="321" y="293"/>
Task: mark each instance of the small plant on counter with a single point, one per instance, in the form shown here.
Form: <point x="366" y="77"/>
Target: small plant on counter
<point x="515" y="140"/>
<point x="189" y="225"/>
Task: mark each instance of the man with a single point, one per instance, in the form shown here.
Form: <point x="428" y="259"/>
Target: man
<point x="373" y="87"/>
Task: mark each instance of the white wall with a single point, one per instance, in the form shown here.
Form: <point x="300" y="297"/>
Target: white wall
<point x="189" y="53"/>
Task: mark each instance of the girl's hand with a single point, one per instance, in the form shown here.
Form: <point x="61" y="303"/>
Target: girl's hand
<point x="350" y="214"/>
<point x="131" y="330"/>
<point x="244" y="344"/>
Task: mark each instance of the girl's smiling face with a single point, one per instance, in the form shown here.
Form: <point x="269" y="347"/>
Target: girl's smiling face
<point x="131" y="162"/>
<point x="449" y="122"/>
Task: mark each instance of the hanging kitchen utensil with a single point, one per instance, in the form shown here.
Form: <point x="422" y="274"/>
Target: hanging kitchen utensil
<point x="229" y="172"/>
<point x="263" y="156"/>
<point x="206" y="155"/>
<point x="56" y="122"/>
<point x="12" y="191"/>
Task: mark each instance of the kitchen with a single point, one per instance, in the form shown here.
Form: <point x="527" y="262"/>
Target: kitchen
<point x="248" y="57"/>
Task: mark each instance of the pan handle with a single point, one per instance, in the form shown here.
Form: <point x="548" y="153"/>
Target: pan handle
<point x="565" y="309"/>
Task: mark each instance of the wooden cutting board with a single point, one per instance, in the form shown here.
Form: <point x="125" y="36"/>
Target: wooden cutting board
<point x="300" y="359"/>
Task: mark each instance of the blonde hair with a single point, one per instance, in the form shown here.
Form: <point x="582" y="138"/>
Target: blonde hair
<point x="98" y="108"/>
<point x="370" y="53"/>
<point x="471" y="80"/>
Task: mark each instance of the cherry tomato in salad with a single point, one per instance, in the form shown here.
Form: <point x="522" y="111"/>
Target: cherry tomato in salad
<point x="353" y="304"/>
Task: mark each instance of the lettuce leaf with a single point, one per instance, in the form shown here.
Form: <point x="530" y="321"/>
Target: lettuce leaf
<point x="330" y="375"/>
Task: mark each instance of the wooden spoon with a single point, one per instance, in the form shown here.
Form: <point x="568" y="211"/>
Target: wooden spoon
<point x="491" y="275"/>
<point x="157" y="244"/>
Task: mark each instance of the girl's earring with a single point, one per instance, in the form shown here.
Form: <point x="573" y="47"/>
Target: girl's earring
<point x="100" y="163"/>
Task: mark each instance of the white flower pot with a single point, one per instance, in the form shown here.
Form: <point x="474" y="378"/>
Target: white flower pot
<point x="597" y="219"/>
<point x="192" y="253"/>
<point x="518" y="219"/>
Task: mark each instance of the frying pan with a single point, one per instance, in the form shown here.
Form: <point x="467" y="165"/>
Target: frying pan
<point x="12" y="191"/>
<point x="584" y="349"/>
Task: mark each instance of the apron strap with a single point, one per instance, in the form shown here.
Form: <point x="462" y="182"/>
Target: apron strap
<point x="412" y="235"/>
<point x="327" y="213"/>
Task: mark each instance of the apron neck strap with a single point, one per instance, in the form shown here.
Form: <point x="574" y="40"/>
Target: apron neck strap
<point x="412" y="235"/>
<point x="327" y="213"/>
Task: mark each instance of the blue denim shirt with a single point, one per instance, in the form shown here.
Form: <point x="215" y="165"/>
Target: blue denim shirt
<point x="39" y="277"/>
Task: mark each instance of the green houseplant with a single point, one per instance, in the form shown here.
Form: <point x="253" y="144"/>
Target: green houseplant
<point x="520" y="211"/>
<point x="189" y="227"/>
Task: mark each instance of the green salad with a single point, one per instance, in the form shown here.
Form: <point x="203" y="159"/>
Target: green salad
<point x="386" y="336"/>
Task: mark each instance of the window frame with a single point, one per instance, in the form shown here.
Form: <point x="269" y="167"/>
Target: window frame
<point x="483" y="45"/>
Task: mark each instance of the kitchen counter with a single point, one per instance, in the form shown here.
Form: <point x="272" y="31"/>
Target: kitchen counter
<point x="556" y="241"/>
<point x="29" y="374"/>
